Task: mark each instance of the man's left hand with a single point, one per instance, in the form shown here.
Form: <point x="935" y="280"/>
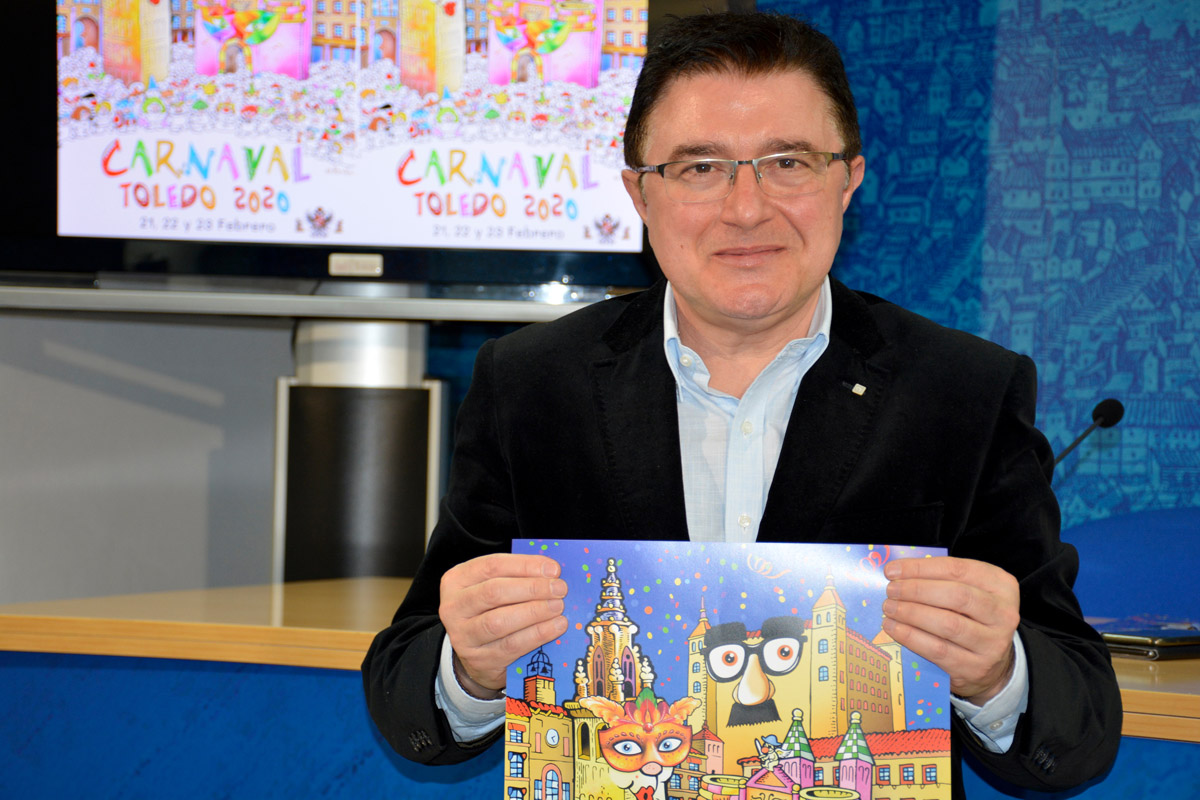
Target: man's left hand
<point x="958" y="613"/>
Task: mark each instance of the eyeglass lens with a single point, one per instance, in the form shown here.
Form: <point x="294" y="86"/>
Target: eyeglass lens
<point x="786" y="175"/>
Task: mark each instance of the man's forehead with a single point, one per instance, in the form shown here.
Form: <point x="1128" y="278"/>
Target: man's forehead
<point x="813" y="108"/>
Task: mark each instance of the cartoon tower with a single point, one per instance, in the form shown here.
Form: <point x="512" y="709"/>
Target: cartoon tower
<point x="539" y="679"/>
<point x="828" y="643"/>
<point x="136" y="40"/>
<point x="853" y="759"/>
<point x="895" y="677"/>
<point x="432" y="45"/>
<point x="799" y="761"/>
<point x="698" y="680"/>
<point x="613" y="661"/>
<point x="712" y="746"/>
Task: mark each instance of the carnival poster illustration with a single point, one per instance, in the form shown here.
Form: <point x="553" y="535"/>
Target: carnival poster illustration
<point x="433" y="123"/>
<point x="715" y="670"/>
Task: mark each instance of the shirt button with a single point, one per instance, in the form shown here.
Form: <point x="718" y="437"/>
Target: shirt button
<point x="747" y="427"/>
<point x="744" y="520"/>
<point x="686" y="360"/>
<point x="997" y="725"/>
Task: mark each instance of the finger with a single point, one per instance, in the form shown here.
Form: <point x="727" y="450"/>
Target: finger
<point x="977" y="604"/>
<point x="498" y="593"/>
<point x="501" y="623"/>
<point x="980" y="574"/>
<point x="488" y="664"/>
<point x="969" y="672"/>
<point x="947" y="625"/>
<point x="501" y="565"/>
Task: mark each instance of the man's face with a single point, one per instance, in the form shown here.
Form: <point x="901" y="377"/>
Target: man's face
<point x="750" y="262"/>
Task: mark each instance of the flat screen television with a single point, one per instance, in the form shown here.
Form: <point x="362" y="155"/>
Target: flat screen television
<point x="463" y="141"/>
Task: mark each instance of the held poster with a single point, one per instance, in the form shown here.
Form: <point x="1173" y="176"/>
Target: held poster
<point x="747" y="671"/>
<point x="430" y="123"/>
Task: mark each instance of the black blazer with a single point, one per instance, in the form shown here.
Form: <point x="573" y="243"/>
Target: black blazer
<point x="570" y="430"/>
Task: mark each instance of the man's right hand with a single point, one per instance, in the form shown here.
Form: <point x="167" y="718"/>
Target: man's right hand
<point x="497" y="608"/>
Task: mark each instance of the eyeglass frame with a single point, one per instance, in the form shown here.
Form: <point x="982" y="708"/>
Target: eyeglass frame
<point x="660" y="169"/>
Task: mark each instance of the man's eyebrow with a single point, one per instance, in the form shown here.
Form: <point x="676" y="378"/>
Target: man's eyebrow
<point x="713" y="150"/>
<point x="695" y="150"/>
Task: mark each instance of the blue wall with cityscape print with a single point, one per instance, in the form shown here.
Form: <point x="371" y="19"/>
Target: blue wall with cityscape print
<point x="1032" y="178"/>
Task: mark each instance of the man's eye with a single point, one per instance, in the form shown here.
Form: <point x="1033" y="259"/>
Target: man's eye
<point x="698" y="169"/>
<point x="788" y="164"/>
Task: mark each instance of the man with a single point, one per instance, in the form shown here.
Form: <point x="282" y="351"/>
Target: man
<point x="752" y="398"/>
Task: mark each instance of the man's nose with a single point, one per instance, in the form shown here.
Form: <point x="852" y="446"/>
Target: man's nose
<point x="746" y="202"/>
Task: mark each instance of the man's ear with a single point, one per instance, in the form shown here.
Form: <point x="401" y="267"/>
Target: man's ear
<point x="637" y="193"/>
<point x="857" y="169"/>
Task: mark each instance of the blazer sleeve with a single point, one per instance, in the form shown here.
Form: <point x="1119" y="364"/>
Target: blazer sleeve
<point x="1071" y="729"/>
<point x="476" y="518"/>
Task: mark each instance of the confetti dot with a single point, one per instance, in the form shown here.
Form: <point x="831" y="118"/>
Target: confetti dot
<point x="782" y="599"/>
<point x="678" y="582"/>
<point x="578" y="626"/>
<point x="649" y="610"/>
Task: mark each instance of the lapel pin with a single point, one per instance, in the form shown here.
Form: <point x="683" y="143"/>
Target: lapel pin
<point x="859" y="389"/>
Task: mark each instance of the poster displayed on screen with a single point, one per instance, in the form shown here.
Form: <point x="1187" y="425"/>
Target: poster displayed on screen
<point x="722" y="670"/>
<point x="428" y="123"/>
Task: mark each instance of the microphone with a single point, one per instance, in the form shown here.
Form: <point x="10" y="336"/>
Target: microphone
<point x="1106" y="414"/>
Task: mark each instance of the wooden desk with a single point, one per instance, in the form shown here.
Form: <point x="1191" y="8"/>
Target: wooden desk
<point x="305" y="624"/>
<point x="1161" y="698"/>
<point x="331" y="623"/>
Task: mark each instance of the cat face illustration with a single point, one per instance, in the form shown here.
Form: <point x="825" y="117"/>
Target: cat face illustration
<point x="644" y="740"/>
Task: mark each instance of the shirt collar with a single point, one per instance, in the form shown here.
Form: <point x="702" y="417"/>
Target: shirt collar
<point x="821" y="321"/>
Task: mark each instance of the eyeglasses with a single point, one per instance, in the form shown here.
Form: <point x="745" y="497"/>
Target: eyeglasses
<point x="704" y="180"/>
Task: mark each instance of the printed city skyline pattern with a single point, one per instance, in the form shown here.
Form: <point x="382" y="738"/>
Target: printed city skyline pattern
<point x="1032" y="178"/>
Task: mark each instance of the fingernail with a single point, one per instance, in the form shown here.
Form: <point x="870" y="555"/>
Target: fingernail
<point x="558" y="588"/>
<point x="891" y="570"/>
<point x="550" y="569"/>
<point x="889" y="606"/>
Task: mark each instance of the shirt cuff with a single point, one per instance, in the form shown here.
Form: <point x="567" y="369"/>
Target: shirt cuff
<point x="995" y="722"/>
<point x="470" y="718"/>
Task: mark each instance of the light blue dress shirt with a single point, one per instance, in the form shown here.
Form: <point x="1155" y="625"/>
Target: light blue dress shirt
<point x="728" y="446"/>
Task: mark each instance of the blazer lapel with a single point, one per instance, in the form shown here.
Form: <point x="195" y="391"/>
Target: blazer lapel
<point x="639" y="423"/>
<point x="831" y="422"/>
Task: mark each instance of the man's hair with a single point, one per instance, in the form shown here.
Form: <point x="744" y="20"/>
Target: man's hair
<point x="757" y="43"/>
